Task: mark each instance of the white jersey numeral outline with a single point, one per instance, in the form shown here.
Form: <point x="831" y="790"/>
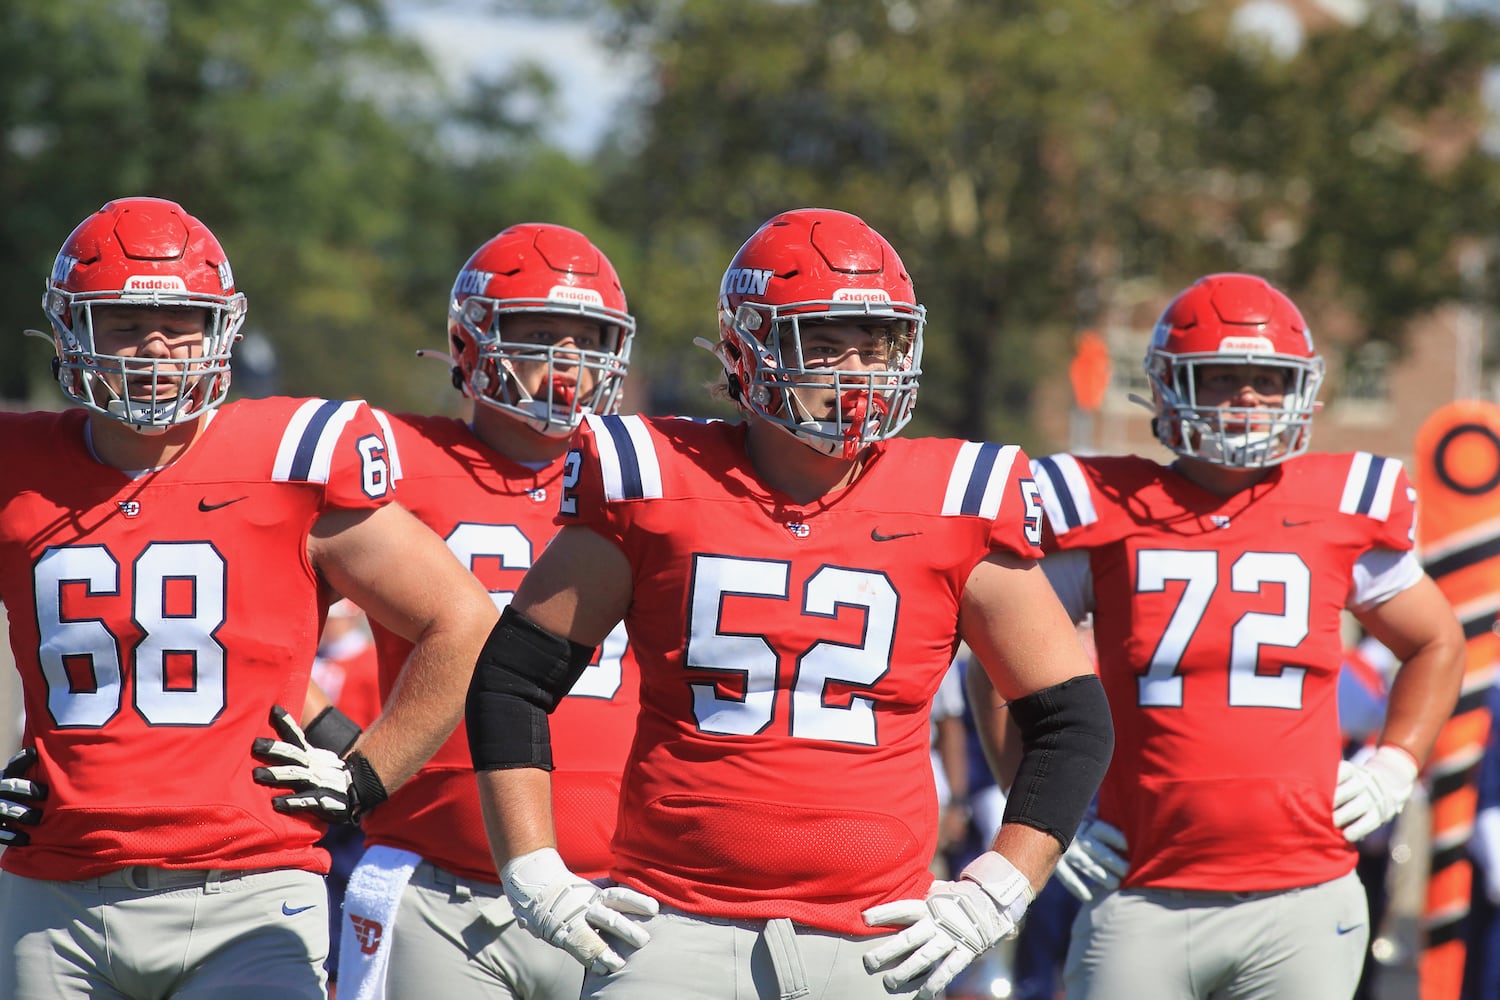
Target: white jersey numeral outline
<point x="1161" y="685"/>
<point x="508" y="545"/>
<point x="168" y="635"/>
<point x="752" y="657"/>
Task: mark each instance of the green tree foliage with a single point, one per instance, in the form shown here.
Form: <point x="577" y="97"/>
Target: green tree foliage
<point x="345" y="181"/>
<point x="1032" y="158"/>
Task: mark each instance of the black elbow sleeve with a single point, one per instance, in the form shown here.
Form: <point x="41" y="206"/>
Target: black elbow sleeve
<point x="522" y="673"/>
<point x="1066" y="742"/>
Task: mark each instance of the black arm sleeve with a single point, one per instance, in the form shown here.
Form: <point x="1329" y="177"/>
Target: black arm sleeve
<point x="522" y="673"/>
<point x="1066" y="742"/>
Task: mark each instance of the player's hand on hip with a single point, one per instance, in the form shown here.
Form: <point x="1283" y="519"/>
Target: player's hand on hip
<point x="1372" y="788"/>
<point x="573" y="913"/>
<point x="18" y="799"/>
<point x="955" y="924"/>
<point x="1095" y="862"/>
<point x="334" y="788"/>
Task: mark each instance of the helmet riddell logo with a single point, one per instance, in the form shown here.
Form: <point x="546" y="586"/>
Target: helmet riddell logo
<point x="746" y="281"/>
<point x="1256" y="345"/>
<point x="568" y="293"/>
<point x="155" y="283"/>
<point x="861" y="295"/>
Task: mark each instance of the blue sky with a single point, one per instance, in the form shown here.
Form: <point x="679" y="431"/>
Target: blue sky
<point x="467" y="37"/>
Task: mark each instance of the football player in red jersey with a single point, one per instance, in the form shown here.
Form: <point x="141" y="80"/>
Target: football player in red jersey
<point x="539" y="335"/>
<point x="165" y="559"/>
<point x="795" y="587"/>
<point x="1217" y="585"/>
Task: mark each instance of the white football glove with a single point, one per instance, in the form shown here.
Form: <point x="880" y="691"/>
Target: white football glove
<point x="955" y="924"/>
<point x="18" y="798"/>
<point x="337" y="789"/>
<point x="1372" y="788"/>
<point x="569" y="912"/>
<point x="1094" y="862"/>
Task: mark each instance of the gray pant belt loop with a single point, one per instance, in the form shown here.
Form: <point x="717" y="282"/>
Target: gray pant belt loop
<point x="147" y="878"/>
<point x="791" y="978"/>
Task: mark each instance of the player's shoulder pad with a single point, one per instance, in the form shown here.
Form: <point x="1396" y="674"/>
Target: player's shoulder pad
<point x="1066" y="498"/>
<point x="1370" y="485"/>
<point x="977" y="478"/>
<point x="1069" y="485"/>
<point x="305" y="454"/>
<point x="629" y="468"/>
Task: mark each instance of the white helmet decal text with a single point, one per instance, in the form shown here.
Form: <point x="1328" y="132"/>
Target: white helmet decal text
<point x="746" y="281"/>
<point x="570" y="293"/>
<point x="861" y="295"/>
<point x="155" y="283"/>
<point x="472" y="282"/>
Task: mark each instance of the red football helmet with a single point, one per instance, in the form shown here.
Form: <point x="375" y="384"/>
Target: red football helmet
<point x="539" y="268"/>
<point x="808" y="265"/>
<point x="1233" y="319"/>
<point x="142" y="252"/>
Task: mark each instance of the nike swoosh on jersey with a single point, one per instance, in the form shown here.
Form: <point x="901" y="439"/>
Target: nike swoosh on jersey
<point x="1285" y="523"/>
<point x="292" y="911"/>
<point x="876" y="536"/>
<point x="205" y="506"/>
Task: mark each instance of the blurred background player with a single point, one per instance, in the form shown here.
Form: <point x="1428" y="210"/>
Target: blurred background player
<point x="796" y="586"/>
<point x="1217" y="586"/>
<point x="539" y="335"/>
<point x="164" y="560"/>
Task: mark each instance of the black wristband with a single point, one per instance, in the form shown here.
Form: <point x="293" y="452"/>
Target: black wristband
<point x="332" y="730"/>
<point x="366" y="790"/>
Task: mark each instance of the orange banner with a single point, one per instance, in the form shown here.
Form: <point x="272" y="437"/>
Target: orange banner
<point x="1458" y="534"/>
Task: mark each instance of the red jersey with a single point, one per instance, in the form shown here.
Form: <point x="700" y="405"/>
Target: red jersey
<point x="1217" y="625"/>
<point x="496" y="516"/>
<point x="348" y="672"/>
<point x="155" y="620"/>
<point x="789" y="654"/>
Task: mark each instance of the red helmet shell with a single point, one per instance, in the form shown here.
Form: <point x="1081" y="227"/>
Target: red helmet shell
<point x="817" y="264"/>
<point x="1233" y="319"/>
<point x="143" y="252"/>
<point x="538" y="268"/>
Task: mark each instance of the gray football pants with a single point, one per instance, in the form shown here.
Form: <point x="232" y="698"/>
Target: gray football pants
<point x="713" y="959"/>
<point x="149" y="932"/>
<point x="457" y="939"/>
<point x="1296" y="944"/>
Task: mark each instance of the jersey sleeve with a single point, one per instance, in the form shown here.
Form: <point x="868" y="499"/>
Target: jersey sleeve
<point x="995" y="482"/>
<point x="612" y="461"/>
<point x="339" y="445"/>
<point x="1067" y="500"/>
<point x="1378" y="490"/>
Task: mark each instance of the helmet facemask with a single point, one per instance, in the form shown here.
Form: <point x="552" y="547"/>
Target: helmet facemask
<point x="780" y="372"/>
<point x="149" y="394"/>
<point x="499" y="376"/>
<point x="1245" y="437"/>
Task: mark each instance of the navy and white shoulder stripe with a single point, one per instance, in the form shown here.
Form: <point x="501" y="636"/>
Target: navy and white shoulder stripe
<point x="627" y="458"/>
<point x="977" y="483"/>
<point x="1065" y="492"/>
<point x="1370" y="486"/>
<point x="306" y="451"/>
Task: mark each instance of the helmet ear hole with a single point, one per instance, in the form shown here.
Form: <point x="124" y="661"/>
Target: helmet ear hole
<point x="457" y="374"/>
